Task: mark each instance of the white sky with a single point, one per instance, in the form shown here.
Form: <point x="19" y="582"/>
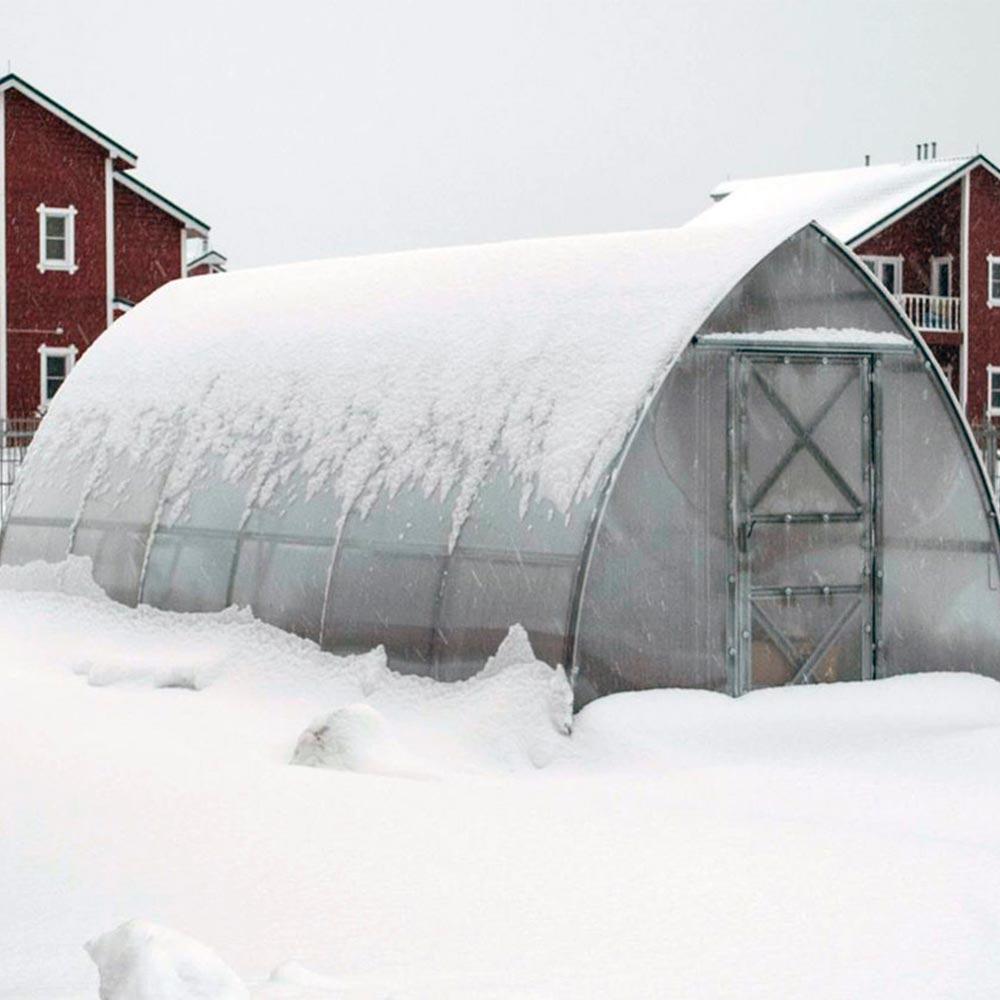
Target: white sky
<point x="315" y="129"/>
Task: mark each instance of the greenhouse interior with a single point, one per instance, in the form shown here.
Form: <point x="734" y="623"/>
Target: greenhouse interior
<point x="701" y="458"/>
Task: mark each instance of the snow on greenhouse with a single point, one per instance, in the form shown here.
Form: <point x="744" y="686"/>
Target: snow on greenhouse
<point x="705" y="457"/>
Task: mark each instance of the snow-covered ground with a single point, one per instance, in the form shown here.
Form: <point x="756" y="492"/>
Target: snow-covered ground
<point x="454" y="841"/>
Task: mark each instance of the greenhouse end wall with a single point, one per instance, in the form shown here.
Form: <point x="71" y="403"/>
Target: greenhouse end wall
<point x="883" y="548"/>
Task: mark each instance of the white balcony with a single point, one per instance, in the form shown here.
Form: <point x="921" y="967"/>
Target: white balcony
<point x="940" y="313"/>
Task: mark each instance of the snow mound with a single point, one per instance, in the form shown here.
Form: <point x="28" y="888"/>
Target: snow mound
<point x="73" y="576"/>
<point x="354" y="738"/>
<point x="171" y="669"/>
<point x="143" y="961"/>
<point x="516" y="713"/>
<point x="294" y="973"/>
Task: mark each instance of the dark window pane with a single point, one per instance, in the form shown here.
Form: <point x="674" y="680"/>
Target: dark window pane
<point x="944" y="279"/>
<point x="55" y="249"/>
<point x="889" y="276"/>
<point x="55" y="226"/>
<point x="55" y="366"/>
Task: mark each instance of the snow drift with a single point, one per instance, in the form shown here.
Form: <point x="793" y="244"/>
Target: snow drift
<point x="142" y="961"/>
<point x="828" y="841"/>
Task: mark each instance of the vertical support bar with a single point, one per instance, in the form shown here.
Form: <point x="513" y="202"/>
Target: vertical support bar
<point x="876" y="563"/>
<point x="3" y="256"/>
<point x="732" y="475"/>
<point x="865" y="373"/>
<point x="738" y="626"/>
<point x="963" y="365"/>
<point x="109" y="240"/>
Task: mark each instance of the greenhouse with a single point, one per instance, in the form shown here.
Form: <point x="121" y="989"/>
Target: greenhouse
<point x="705" y="457"/>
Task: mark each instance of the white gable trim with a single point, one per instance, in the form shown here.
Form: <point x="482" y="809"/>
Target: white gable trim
<point x="119" y="152"/>
<point x="194" y="225"/>
<point x="914" y="203"/>
<point x="211" y="257"/>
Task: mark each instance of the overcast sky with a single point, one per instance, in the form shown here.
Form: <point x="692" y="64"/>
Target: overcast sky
<point x="316" y="129"/>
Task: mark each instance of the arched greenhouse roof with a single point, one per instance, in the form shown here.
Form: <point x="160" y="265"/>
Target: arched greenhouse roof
<point x="415" y="367"/>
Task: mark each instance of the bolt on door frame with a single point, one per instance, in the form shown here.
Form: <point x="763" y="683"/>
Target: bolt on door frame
<point x="864" y="508"/>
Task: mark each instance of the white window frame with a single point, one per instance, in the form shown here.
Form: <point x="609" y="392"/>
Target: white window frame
<point x="880" y="260"/>
<point x="991" y="263"/>
<point x="44" y="262"/>
<point x="991" y="410"/>
<point x="935" y="287"/>
<point x="45" y="351"/>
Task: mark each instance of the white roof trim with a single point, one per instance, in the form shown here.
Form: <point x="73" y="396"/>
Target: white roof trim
<point x="192" y="224"/>
<point x="915" y="203"/>
<point x="209" y="257"/>
<point x="22" y="87"/>
<point x="855" y="203"/>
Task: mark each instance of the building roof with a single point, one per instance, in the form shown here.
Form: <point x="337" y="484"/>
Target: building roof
<point x="211" y="258"/>
<point x="852" y="204"/>
<point x="13" y="82"/>
<point x="190" y="222"/>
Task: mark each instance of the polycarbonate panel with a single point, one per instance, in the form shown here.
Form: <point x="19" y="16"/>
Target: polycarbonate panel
<point x="191" y="560"/>
<point x="39" y="526"/>
<point x="509" y="568"/>
<point x="387" y="578"/>
<point x="803" y="436"/>
<point x="656" y="597"/>
<point x="284" y="555"/>
<point x="804" y="284"/>
<point x="25" y="541"/>
<point x="806" y="639"/>
<point x="940" y="597"/>
<point x="114" y="527"/>
<point x="813" y="554"/>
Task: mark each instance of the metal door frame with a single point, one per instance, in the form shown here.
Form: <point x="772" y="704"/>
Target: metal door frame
<point x="739" y="622"/>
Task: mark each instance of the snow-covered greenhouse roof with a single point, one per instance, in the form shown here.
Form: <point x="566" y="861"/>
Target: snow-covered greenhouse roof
<point x="849" y="203"/>
<point x="414" y="367"/>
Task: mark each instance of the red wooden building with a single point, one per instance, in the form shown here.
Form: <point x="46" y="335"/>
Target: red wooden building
<point x="82" y="241"/>
<point x="930" y="230"/>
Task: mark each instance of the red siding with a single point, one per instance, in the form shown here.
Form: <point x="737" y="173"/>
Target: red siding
<point x="934" y="229"/>
<point x="49" y="162"/>
<point x="984" y="322"/>
<point x="147" y="246"/>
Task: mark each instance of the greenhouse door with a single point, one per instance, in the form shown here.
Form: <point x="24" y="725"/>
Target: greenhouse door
<point x="803" y="495"/>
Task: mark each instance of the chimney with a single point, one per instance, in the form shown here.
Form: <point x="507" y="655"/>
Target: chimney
<point x="918" y="151"/>
<point x="933" y="150"/>
<point x="868" y="160"/>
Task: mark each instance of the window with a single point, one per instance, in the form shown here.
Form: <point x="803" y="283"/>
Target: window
<point x="993" y="282"/>
<point x="993" y="386"/>
<point x="55" y="365"/>
<point x="888" y="270"/>
<point x="56" y="243"/>
<point x="941" y="276"/>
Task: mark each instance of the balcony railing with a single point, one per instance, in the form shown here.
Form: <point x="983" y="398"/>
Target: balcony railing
<point x="933" y="312"/>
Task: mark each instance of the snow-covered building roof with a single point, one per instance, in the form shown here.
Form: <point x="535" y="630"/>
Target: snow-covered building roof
<point x="420" y="450"/>
<point x="852" y="204"/>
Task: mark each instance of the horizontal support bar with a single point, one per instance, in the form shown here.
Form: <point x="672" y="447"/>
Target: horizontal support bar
<point x="780" y="348"/>
<point x="810" y="517"/>
<point x="812" y="590"/>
